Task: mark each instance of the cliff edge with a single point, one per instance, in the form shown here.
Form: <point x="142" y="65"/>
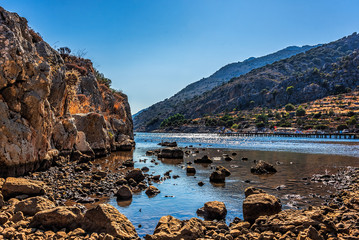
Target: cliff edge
<point x="53" y="104"/>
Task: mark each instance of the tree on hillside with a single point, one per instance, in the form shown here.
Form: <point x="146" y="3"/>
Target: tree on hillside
<point x="289" y="107"/>
<point x="300" y="111"/>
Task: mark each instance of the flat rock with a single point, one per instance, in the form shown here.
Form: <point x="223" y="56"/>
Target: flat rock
<point x="106" y="219"/>
<point x="171" y="152"/>
<point x="33" y="205"/>
<point x="59" y="217"/>
<point x="21" y="186"/>
<point x="204" y="159"/>
<point x="251" y="190"/>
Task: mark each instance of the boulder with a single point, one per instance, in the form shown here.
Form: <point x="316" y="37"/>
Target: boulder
<point x="106" y="219"/>
<point x="121" y="181"/>
<point x="21" y="186"/>
<point x="171" y="152"/>
<point x="82" y="145"/>
<point x="128" y="163"/>
<point x="251" y="190"/>
<point x="190" y="169"/>
<point x="152" y="190"/>
<point x="227" y="157"/>
<point x="223" y="170"/>
<point x="217" y="177"/>
<point x="59" y="217"/>
<point x="168" y="144"/>
<point x="124" y="193"/>
<point x="204" y="159"/>
<point x="263" y="167"/>
<point x="136" y="174"/>
<point x="171" y="228"/>
<point x="213" y="210"/>
<point x="260" y="204"/>
<point x="126" y="145"/>
<point x="33" y="205"/>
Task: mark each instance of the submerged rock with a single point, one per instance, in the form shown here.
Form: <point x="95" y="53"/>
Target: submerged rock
<point x="263" y="167"/>
<point x="152" y="190"/>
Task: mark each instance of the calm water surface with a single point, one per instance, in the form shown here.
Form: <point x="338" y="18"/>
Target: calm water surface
<point x="298" y="158"/>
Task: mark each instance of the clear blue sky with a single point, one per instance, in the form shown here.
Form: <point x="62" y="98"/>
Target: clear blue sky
<point x="153" y="48"/>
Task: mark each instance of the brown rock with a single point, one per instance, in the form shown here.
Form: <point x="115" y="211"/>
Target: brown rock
<point x="190" y="169"/>
<point x="31" y="206"/>
<point x="3" y="218"/>
<point x="171" y="152"/>
<point x="2" y="203"/>
<point x="261" y="204"/>
<point x="204" y="159"/>
<point x="106" y="219"/>
<point x="19" y="216"/>
<point x="224" y="170"/>
<point x="152" y="190"/>
<point x="217" y="177"/>
<point x="309" y="233"/>
<point x="124" y="193"/>
<point x="21" y="186"/>
<point x="263" y="167"/>
<point x="59" y="217"/>
<point x="136" y="174"/>
<point x="170" y="228"/>
<point x="252" y="190"/>
<point x="213" y="210"/>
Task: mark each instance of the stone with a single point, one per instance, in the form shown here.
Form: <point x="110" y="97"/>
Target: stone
<point x="200" y="183"/>
<point x="33" y="205"/>
<point x="204" y="159"/>
<point x="223" y="170"/>
<point x="152" y="190"/>
<point x="2" y="203"/>
<point x="136" y="174"/>
<point x="263" y="167"/>
<point x="124" y="193"/>
<point x="128" y="163"/>
<point x="59" y="217"/>
<point x="104" y="218"/>
<point x="168" y="144"/>
<point x="251" y="190"/>
<point x="190" y="169"/>
<point x="171" y="228"/>
<point x="171" y="152"/>
<point x="213" y="210"/>
<point x="82" y="145"/>
<point x="217" y="177"/>
<point x="3" y="218"/>
<point x="21" y="186"/>
<point x="260" y="204"/>
<point x="121" y="181"/>
<point x="19" y="216"/>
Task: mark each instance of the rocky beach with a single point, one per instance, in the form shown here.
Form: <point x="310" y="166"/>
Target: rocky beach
<point x="71" y="166"/>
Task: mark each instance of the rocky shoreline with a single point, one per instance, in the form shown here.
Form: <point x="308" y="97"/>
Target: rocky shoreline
<point x="63" y="201"/>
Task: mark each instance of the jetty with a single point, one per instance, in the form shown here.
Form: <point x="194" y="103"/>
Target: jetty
<point x="298" y="135"/>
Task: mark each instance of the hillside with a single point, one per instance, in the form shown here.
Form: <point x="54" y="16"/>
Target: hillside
<point x="221" y="76"/>
<point x="300" y="78"/>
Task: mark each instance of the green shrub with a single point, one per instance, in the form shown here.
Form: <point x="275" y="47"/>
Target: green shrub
<point x="300" y="111"/>
<point x="289" y="107"/>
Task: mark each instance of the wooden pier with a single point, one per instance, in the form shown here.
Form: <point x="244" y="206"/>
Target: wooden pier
<point x="297" y="135"/>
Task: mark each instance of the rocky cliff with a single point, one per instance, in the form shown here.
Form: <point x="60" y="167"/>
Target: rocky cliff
<point x="52" y="104"/>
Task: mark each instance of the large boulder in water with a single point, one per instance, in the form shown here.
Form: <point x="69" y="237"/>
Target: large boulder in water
<point x="217" y="177"/>
<point x="263" y="167"/>
<point x="136" y="174"/>
<point x="171" y="152"/>
<point x="106" y="219"/>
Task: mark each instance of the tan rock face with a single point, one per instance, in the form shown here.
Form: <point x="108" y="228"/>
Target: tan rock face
<point x="35" y="103"/>
<point x="106" y="219"/>
<point x="261" y="204"/>
<point x="21" y="186"/>
<point x="33" y="205"/>
<point x="213" y="210"/>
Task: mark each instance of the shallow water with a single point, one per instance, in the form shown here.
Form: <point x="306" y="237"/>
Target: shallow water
<point x="181" y="197"/>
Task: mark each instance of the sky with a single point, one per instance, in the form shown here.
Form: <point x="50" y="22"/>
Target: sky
<point x="151" y="49"/>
